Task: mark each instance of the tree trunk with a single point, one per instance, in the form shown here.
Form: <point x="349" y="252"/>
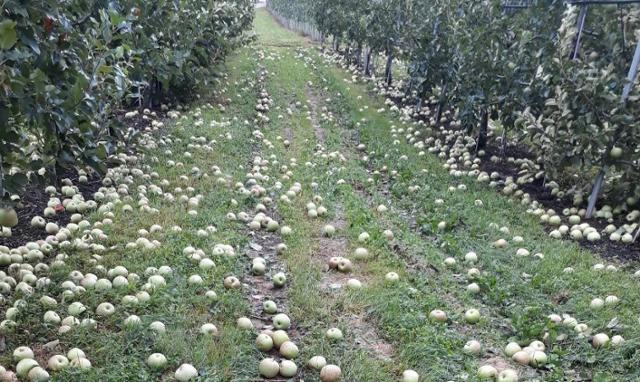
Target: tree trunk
<point x="441" y="103"/>
<point x="1" y="180"/>
<point x="503" y="143"/>
<point x="373" y="65"/>
<point x="484" y="126"/>
<point x="367" y="63"/>
<point x="387" y="69"/>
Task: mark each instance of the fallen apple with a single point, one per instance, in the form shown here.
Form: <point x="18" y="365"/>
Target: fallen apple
<point x="328" y="230"/>
<point x="24" y="366"/>
<point x="289" y="350"/>
<point x="38" y="374"/>
<point x="392" y="277"/>
<point x="522" y="357"/>
<point x="472" y="347"/>
<point x="279" y="337"/>
<point x="410" y="376"/>
<point x="344" y="265"/>
<point x="209" y="329"/>
<point x="487" y="372"/>
<point x="288" y="368"/>
<point x="537" y="345"/>
<point x="354" y="284"/>
<point x="616" y="340"/>
<point x="438" y="315"/>
<point x="268" y="368"/>
<point x="511" y="349"/>
<point x="600" y="340"/>
<point x="269" y="307"/>
<point x="317" y="362"/>
<point x="105" y="309"/>
<point x="281" y="321"/>
<point x="244" y="323"/>
<point x="361" y="253"/>
<point x="264" y="342"/>
<point x="75" y="353"/>
<point x="157" y="361"/>
<point x="231" y="282"/>
<point x="186" y="372"/>
<point x="507" y="375"/>
<point x="157" y="327"/>
<point x="334" y="334"/>
<point x="279" y="280"/>
<point x="538" y="358"/>
<point x="22" y="352"/>
<point x="473" y="288"/>
<point x="330" y="373"/>
<point x="58" y="362"/>
<point x="472" y="316"/>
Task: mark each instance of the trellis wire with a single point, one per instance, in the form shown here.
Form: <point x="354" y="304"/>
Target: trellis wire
<point x="527" y="3"/>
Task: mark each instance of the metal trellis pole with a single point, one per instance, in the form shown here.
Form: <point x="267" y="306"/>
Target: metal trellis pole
<point x="580" y="24"/>
<point x="633" y="71"/>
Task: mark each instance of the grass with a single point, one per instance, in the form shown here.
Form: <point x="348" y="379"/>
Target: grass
<point x="518" y="293"/>
<point x="118" y="353"/>
<point x="324" y="115"/>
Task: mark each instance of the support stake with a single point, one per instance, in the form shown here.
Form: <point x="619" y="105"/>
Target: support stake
<point x="580" y="24"/>
<point x="633" y="71"/>
<point x="594" y="193"/>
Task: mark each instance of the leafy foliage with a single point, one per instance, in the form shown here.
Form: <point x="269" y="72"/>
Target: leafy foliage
<point x="483" y="59"/>
<point x="66" y="68"/>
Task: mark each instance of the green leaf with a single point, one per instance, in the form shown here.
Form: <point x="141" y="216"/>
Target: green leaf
<point x="16" y="181"/>
<point x="76" y="92"/>
<point x="8" y="35"/>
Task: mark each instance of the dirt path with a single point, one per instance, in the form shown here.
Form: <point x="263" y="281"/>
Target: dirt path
<point x="313" y="102"/>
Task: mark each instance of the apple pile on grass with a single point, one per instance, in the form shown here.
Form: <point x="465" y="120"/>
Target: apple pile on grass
<point x="27" y="268"/>
<point x="458" y="151"/>
<point x="279" y="340"/>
